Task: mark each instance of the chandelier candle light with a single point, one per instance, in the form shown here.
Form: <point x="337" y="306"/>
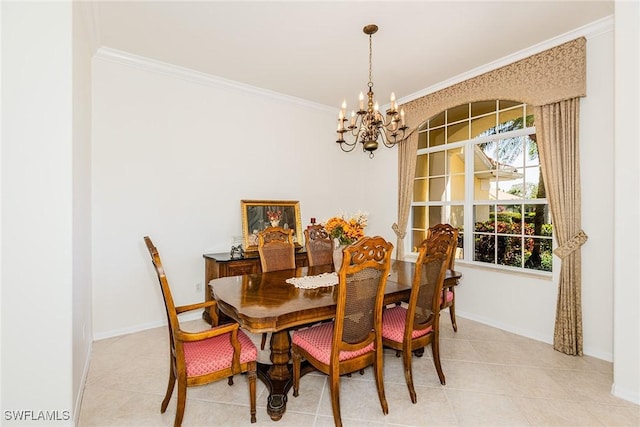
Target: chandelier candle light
<point x="368" y="125"/>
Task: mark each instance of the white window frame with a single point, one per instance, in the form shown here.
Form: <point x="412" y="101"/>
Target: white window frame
<point x="469" y="201"/>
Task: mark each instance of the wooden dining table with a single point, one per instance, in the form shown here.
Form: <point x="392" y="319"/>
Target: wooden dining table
<point x="265" y="302"/>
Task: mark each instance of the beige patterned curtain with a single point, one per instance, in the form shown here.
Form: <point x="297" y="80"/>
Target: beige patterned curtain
<point x="557" y="135"/>
<point x="547" y="80"/>
<point x="407" y="156"/>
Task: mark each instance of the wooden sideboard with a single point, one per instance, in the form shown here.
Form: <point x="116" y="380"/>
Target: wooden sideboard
<point x="221" y="265"/>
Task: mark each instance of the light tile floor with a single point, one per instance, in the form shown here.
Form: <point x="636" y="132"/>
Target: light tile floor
<point x="494" y="378"/>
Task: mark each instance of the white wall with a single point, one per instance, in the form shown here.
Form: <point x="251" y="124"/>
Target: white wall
<point x="597" y="168"/>
<point x="81" y="207"/>
<point x="1" y="221"/>
<point x="37" y="208"/>
<point x="626" y="366"/>
<point x="174" y="152"/>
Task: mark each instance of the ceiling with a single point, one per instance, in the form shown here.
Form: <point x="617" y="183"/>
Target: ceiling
<point x="317" y="51"/>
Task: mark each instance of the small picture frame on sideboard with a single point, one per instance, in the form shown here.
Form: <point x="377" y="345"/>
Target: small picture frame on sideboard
<point x="260" y="214"/>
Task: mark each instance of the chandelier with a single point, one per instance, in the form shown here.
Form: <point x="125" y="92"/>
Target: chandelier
<point x="368" y="125"/>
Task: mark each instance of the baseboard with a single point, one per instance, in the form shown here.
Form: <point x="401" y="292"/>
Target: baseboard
<point x="83" y="383"/>
<point x="186" y="317"/>
<point x="608" y="357"/>
<point x="626" y="394"/>
<point x="504" y="327"/>
<point x="589" y="351"/>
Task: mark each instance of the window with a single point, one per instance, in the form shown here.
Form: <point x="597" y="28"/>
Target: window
<point x="478" y="169"/>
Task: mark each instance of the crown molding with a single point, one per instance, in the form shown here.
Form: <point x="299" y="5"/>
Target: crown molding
<point x="154" y="66"/>
<point x="593" y="29"/>
<point x="151" y="65"/>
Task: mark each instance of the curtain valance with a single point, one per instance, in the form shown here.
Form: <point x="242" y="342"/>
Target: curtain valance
<point x="550" y="76"/>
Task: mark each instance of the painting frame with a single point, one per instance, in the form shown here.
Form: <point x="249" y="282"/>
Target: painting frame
<point x="255" y="219"/>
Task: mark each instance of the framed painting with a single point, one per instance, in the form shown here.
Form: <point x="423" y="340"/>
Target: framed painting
<point x="260" y="214"/>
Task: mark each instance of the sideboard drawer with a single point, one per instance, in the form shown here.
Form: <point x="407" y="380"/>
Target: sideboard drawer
<point x="240" y="267"/>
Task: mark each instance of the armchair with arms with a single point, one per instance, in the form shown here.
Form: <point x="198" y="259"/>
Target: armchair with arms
<point x="197" y="358"/>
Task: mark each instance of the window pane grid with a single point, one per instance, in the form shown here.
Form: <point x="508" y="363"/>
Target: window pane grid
<point x="486" y="147"/>
<point x="428" y="214"/>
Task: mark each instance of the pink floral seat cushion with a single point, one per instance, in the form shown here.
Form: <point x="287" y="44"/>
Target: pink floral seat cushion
<point x="393" y="321"/>
<point x="316" y="341"/>
<point x="214" y="354"/>
<point x="449" y="296"/>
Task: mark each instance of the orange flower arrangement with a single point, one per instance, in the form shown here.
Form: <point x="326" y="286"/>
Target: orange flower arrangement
<point x="346" y="229"/>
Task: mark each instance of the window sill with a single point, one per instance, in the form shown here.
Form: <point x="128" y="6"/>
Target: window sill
<point x="542" y="275"/>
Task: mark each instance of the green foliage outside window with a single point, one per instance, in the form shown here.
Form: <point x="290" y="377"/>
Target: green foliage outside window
<point x="504" y="244"/>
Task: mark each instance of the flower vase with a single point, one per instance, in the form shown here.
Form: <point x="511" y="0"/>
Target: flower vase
<point x="337" y="255"/>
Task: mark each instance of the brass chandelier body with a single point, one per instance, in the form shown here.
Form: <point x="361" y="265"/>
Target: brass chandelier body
<point x="367" y="125"/>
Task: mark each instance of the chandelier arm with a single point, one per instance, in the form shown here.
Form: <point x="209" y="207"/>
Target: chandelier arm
<point x="350" y="144"/>
<point x="356" y="133"/>
<point x="347" y="150"/>
<point x="386" y="139"/>
<point x="390" y="141"/>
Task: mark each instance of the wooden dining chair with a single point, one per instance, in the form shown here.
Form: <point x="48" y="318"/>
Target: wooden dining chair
<point x="276" y="248"/>
<point x="277" y="252"/>
<point x="448" y="292"/>
<point x="319" y="246"/>
<point x="198" y="358"/>
<point x="414" y="326"/>
<point x="353" y="340"/>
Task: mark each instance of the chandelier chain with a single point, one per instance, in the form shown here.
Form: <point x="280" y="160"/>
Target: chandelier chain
<point x="370" y="61"/>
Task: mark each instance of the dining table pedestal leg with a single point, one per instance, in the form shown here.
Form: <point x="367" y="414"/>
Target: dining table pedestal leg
<point x="278" y="376"/>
